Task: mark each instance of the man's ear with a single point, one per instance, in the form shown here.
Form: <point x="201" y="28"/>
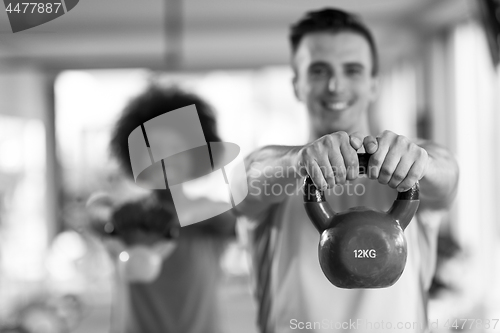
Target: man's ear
<point x="295" y="83"/>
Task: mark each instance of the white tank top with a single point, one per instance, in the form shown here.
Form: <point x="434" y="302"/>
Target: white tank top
<point x="298" y="297"/>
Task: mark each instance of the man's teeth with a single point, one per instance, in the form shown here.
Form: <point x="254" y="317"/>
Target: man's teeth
<point x="337" y="106"/>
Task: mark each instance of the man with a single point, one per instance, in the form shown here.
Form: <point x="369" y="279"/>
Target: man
<point x="182" y="295"/>
<point x="335" y="65"/>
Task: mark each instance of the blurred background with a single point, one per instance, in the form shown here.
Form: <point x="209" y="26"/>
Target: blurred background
<point x="64" y="83"/>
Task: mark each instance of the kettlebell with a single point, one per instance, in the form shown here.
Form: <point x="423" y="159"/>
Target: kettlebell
<point x="361" y="247"/>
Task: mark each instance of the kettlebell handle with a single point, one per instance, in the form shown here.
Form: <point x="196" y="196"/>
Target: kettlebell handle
<point x="322" y="215"/>
<point x="313" y="194"/>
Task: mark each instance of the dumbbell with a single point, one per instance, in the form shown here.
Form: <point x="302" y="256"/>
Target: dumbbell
<point x="109" y="218"/>
<point x="140" y="234"/>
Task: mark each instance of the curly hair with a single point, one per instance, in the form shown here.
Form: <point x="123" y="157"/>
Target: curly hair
<point x="153" y="102"/>
<point x="332" y="20"/>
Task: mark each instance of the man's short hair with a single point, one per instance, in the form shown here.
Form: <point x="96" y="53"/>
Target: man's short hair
<point x="332" y="20"/>
<point x="153" y="102"/>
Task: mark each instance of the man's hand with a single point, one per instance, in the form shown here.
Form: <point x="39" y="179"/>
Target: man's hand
<point x="395" y="160"/>
<point x="329" y="160"/>
<point x="332" y="159"/>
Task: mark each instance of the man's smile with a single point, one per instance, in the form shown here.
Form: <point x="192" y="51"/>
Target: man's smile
<point x="336" y="106"/>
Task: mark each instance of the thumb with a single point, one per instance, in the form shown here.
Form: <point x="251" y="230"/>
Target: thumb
<point x="356" y="140"/>
<point x="371" y="144"/>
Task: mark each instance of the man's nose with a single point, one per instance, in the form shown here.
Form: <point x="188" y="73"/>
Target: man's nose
<point x="335" y="84"/>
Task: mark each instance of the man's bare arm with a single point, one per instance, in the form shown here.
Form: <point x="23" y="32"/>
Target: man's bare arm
<point x="399" y="162"/>
<point x="274" y="172"/>
<point x="267" y="167"/>
<point x="440" y="182"/>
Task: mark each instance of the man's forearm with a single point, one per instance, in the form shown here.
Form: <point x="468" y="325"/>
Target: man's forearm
<point x="271" y="170"/>
<point x="440" y="181"/>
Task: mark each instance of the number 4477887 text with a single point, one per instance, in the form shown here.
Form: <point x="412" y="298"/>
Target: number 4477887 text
<point x="34" y="7"/>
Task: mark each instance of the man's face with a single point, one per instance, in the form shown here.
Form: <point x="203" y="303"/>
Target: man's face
<point x="333" y="78"/>
<point x="178" y="167"/>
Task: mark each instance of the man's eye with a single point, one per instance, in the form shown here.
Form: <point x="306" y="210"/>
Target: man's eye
<point x="354" y="71"/>
<point x="318" y="71"/>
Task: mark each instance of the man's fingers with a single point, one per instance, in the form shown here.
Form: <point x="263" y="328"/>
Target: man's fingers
<point x="338" y="168"/>
<point x="415" y="173"/>
<point x="356" y="140"/>
<point x="371" y="144"/>
<point x="328" y="172"/>
<point x="376" y="161"/>
<point x="316" y="174"/>
<point x="330" y="158"/>
<point x="401" y="172"/>
<point x="350" y="162"/>
<point x="302" y="169"/>
<point x="387" y="169"/>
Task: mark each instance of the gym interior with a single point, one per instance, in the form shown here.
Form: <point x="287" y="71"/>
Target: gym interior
<point x="64" y="83"/>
